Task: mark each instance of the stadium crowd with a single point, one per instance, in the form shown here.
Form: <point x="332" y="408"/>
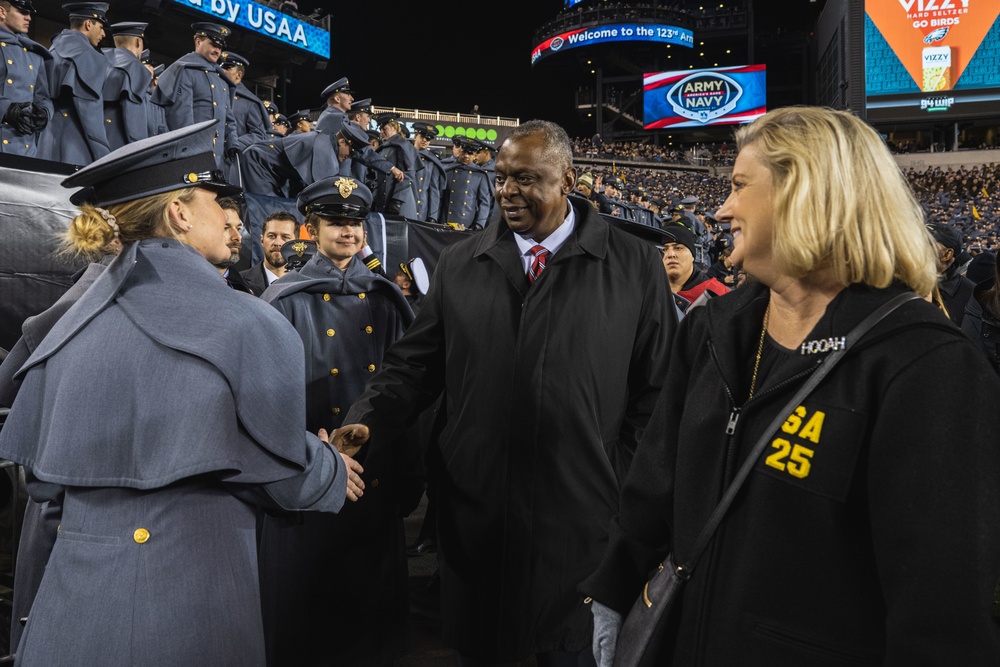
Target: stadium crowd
<point x="967" y="198"/>
<point x="720" y="154"/>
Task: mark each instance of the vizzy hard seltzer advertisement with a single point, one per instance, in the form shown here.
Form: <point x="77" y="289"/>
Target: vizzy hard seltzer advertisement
<point x="935" y="40"/>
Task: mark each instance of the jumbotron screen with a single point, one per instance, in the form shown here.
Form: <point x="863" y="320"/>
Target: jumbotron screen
<point x="931" y="59"/>
<point x="699" y="97"/>
<point x="613" y="32"/>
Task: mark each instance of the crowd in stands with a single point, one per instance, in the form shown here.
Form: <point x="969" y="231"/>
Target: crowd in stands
<point x="702" y="154"/>
<point x="965" y="198"/>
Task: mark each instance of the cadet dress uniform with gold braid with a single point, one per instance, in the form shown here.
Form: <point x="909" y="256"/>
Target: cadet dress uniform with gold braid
<point x="194" y="89"/>
<point x="310" y="565"/>
<point x="25" y="107"/>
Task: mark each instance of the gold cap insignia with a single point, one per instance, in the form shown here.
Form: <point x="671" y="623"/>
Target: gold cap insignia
<point x="192" y="178"/>
<point x="299" y="248"/>
<point x="346" y="186"/>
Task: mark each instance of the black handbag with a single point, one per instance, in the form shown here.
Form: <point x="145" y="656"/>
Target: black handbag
<point x="642" y="632"/>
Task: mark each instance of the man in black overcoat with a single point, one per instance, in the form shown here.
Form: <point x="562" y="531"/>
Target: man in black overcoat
<point x="548" y="333"/>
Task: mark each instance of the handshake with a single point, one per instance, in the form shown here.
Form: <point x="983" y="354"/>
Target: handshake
<point x="26" y="117"/>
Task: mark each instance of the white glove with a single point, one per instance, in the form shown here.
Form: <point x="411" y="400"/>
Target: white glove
<point x="607" y="625"/>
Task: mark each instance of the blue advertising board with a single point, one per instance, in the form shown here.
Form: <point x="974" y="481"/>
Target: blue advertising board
<point x="263" y="20"/>
<point x="613" y="32"/>
<point x="695" y="98"/>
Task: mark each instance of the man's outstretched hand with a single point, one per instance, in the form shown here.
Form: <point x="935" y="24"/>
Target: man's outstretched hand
<point x="350" y="438"/>
<point x="348" y="441"/>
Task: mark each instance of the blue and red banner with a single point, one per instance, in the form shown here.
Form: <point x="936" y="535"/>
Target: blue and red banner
<point x="695" y="98"/>
<point x="613" y="32"/>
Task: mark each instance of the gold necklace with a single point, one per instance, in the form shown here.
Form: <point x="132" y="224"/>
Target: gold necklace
<point x="760" y="349"/>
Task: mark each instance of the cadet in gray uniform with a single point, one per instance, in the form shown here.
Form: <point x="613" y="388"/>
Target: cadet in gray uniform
<point x="178" y="434"/>
<point x="280" y="127"/>
<point x="468" y="192"/>
<point x="252" y="120"/>
<point x="456" y="151"/>
<point x="300" y="122"/>
<point x="25" y="107"/>
<point x="338" y="97"/>
<point x="126" y="88"/>
<point x="347" y="317"/>
<point x="194" y="88"/>
<point x="156" y="121"/>
<point x="77" y="134"/>
<point x="430" y="180"/>
<point x="285" y="166"/>
<point x="361" y="113"/>
<point x="484" y="157"/>
<point x="392" y="196"/>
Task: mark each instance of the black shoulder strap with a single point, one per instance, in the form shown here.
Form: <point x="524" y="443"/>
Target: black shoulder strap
<point x="824" y="366"/>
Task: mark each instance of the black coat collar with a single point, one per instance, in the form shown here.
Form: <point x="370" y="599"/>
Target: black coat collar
<point x="589" y="237"/>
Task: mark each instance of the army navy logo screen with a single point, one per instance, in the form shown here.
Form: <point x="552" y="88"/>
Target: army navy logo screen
<point x="704" y="96"/>
<point x="718" y="96"/>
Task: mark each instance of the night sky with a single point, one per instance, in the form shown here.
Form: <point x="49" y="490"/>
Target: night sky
<point x="446" y="56"/>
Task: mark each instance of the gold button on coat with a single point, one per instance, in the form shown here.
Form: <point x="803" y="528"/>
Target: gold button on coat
<point x="334" y="371"/>
<point x="335" y="411"/>
<point x="140" y="535"/>
<point x="368" y="329"/>
<point x="361" y="296"/>
<point x="330" y="332"/>
<point x="371" y="368"/>
<point x="326" y="297"/>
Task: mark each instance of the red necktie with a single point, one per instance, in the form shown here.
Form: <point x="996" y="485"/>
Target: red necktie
<point x="539" y="256"/>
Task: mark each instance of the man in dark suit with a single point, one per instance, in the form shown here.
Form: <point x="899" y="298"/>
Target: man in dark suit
<point x="229" y="268"/>
<point x="543" y="413"/>
<point x="279" y="228"/>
